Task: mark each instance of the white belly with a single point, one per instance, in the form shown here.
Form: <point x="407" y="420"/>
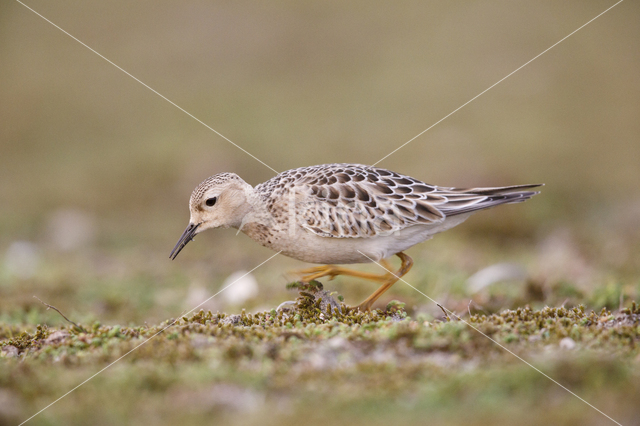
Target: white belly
<point x="309" y="247"/>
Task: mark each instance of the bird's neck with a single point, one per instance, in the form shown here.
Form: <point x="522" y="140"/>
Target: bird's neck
<point x="254" y="213"/>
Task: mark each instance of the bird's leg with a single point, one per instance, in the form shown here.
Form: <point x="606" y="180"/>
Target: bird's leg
<point x="407" y="263"/>
<point x="333" y="271"/>
<point x="388" y="279"/>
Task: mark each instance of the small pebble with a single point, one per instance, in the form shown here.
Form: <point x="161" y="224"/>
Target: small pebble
<point x="567" y="343"/>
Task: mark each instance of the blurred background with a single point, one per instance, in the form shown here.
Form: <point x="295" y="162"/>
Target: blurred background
<point x="96" y="170"/>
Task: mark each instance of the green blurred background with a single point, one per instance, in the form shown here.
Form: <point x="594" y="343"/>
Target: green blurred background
<point x="96" y="170"/>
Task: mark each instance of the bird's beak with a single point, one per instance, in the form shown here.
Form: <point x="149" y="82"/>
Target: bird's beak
<point x="187" y="236"/>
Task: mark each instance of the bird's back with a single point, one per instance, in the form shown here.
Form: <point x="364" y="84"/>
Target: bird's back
<point x="358" y="201"/>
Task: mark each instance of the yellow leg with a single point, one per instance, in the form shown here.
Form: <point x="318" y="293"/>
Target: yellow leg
<point x="387" y="279"/>
<point x="333" y="271"/>
<point x="407" y="263"/>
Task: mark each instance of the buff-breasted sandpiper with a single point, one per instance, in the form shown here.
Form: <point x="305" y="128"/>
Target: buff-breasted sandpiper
<point x="339" y="214"/>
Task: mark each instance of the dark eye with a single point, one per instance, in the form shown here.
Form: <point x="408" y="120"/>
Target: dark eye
<point x="211" y="201"/>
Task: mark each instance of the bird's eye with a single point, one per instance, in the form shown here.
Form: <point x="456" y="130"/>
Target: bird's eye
<point x="211" y="201"/>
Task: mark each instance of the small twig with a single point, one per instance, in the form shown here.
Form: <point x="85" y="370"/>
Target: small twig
<point x="469" y="307"/>
<point x="446" y="315"/>
<point x="58" y="311"/>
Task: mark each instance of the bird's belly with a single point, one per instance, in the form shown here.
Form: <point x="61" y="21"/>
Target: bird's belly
<point x="309" y="247"/>
<point x="331" y="250"/>
<point x="306" y="246"/>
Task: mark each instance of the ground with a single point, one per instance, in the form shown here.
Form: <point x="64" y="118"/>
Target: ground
<point x="308" y="364"/>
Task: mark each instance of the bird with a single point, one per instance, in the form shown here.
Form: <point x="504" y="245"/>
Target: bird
<point x="335" y="214"/>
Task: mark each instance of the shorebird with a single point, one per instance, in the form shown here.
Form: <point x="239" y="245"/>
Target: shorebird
<point x="339" y="214"/>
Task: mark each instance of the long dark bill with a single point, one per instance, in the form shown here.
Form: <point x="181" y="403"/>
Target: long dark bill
<point x="187" y="236"/>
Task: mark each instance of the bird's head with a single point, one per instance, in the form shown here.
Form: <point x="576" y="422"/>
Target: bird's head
<point x="219" y="201"/>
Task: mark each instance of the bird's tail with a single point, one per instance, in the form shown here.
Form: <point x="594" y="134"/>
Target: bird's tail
<point x="466" y="200"/>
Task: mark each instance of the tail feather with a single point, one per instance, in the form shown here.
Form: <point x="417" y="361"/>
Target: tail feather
<point x="495" y="190"/>
<point x="484" y="198"/>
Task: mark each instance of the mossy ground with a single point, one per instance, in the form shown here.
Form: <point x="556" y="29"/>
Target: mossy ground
<point x="311" y="364"/>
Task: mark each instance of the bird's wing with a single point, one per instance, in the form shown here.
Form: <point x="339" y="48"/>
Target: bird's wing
<point x="354" y="201"/>
<point x="357" y="201"/>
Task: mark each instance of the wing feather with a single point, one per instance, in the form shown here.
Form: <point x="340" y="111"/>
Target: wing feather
<point x="356" y="201"/>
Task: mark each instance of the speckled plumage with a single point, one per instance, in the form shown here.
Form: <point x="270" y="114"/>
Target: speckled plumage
<point x="357" y="201"/>
<point x="219" y="179"/>
<point x="342" y="213"/>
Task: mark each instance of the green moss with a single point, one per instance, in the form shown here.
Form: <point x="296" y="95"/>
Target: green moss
<point x="304" y="351"/>
<point x="26" y="340"/>
<point x="312" y="318"/>
<point x="338" y="351"/>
